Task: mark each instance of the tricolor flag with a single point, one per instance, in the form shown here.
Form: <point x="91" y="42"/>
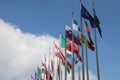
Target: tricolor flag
<point x="62" y="41"/>
<point x="68" y="46"/>
<point x="39" y="72"/>
<point x="69" y="56"/>
<point x="75" y="49"/>
<point x="88" y="31"/>
<point x="88" y="44"/>
<point x="75" y="25"/>
<point x="69" y="36"/>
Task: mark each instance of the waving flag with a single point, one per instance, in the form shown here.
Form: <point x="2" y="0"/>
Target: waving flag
<point x="69" y="56"/>
<point x="69" y="36"/>
<point x="97" y="22"/>
<point x="75" y="25"/>
<point x="88" y="44"/>
<point x="62" y="41"/>
<point x="75" y="49"/>
<point x="69" y="47"/>
<point x="88" y="31"/>
<point x="36" y="77"/>
<point x="85" y="14"/>
<point x="62" y="57"/>
<point x="39" y="72"/>
<point x="43" y="68"/>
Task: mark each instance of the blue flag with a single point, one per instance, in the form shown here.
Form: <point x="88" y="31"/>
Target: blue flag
<point x="85" y="14"/>
<point x="97" y="22"/>
<point x="36" y="77"/>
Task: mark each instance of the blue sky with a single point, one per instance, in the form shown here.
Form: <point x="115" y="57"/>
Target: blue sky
<point x="49" y="17"/>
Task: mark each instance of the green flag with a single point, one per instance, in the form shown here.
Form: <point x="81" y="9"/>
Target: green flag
<point x="62" y="41"/>
<point x="38" y="72"/>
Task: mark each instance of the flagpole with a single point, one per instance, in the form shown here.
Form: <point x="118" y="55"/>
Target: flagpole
<point x="53" y="60"/>
<point x="79" y="78"/>
<point x="87" y="62"/>
<point x="86" y="56"/>
<point x="83" y="74"/>
<point x="65" y="60"/>
<point x="44" y="66"/>
<point x="72" y="51"/>
<point x="61" y="74"/>
<point x="96" y="49"/>
<point x="59" y="69"/>
<point x="59" y="63"/>
<point x="57" y="77"/>
<point x="49" y="65"/>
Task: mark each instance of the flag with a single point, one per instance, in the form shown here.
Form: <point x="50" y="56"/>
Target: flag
<point x="62" y="57"/>
<point x="84" y="40"/>
<point x="43" y="67"/>
<point x="88" y="31"/>
<point x="62" y="45"/>
<point x="62" y="41"/>
<point x="88" y="44"/>
<point x="75" y="49"/>
<point x="50" y="74"/>
<point x="38" y="72"/>
<point x="69" y="47"/>
<point x="97" y="22"/>
<point x="69" y="55"/>
<point x="36" y="78"/>
<point x="69" y="36"/>
<point x="85" y="14"/>
<point x="75" y="25"/>
<point x="52" y="63"/>
<point x="86" y="27"/>
<point x="57" y="54"/>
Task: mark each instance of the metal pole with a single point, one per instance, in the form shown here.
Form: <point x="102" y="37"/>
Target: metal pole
<point x="83" y="74"/>
<point x="96" y="50"/>
<point x="72" y="51"/>
<point x="86" y="57"/>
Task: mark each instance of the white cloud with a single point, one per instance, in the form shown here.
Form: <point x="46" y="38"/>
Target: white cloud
<point x="20" y="52"/>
